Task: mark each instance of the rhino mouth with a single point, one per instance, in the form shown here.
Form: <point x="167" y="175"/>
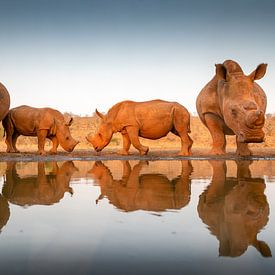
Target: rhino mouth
<point x="97" y="149"/>
<point x="250" y="136"/>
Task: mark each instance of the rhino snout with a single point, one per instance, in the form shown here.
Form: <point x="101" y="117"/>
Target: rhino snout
<point x="70" y="149"/>
<point x="250" y="136"/>
<point x="255" y="119"/>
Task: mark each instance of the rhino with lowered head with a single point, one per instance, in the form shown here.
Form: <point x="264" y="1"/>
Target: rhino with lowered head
<point x="150" y="119"/>
<point x="233" y="104"/>
<point x="41" y="122"/>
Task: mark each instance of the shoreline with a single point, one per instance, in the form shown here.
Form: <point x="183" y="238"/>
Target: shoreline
<point x="153" y="155"/>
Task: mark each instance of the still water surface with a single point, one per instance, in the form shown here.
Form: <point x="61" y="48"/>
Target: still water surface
<point x="131" y="217"/>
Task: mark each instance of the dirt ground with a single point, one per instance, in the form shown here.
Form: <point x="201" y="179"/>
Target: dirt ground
<point x="164" y="148"/>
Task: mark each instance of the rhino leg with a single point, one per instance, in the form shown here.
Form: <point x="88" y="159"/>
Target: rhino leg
<point x="55" y="145"/>
<point x="133" y="136"/>
<point x="126" y="144"/>
<point x="9" y="136"/>
<point x="41" y="135"/>
<point x="215" y="126"/>
<point x="181" y="128"/>
<point x="14" y="139"/>
<point x="242" y="149"/>
<point x="186" y="144"/>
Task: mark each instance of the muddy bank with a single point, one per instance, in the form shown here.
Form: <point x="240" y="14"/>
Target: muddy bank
<point x="154" y="154"/>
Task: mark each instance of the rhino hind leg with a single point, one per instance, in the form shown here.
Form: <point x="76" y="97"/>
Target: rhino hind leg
<point x="181" y="128"/>
<point x="242" y="149"/>
<point x="126" y="144"/>
<point x="133" y="136"/>
<point x="14" y="139"/>
<point x="10" y="131"/>
<point x="215" y="126"/>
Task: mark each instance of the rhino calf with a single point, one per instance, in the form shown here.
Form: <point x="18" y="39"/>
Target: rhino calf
<point x="41" y="122"/>
<point x="150" y="119"/>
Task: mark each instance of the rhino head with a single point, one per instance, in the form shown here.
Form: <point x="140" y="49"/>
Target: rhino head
<point x="104" y="134"/>
<point x="241" y="101"/>
<point x="62" y="132"/>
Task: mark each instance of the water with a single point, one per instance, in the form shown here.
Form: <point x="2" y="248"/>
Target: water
<point x="131" y="217"/>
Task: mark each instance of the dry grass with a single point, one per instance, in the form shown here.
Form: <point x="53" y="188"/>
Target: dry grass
<point x="82" y="126"/>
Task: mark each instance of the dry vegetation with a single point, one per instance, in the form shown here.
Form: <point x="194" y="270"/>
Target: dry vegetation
<point x="200" y="135"/>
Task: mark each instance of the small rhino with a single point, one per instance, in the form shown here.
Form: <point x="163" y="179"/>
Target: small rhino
<point x="150" y="119"/>
<point x="41" y="122"/>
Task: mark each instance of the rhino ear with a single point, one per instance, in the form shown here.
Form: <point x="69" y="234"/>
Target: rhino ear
<point x="259" y="72"/>
<point x="220" y="71"/>
<point x="99" y="114"/>
<point x="69" y="121"/>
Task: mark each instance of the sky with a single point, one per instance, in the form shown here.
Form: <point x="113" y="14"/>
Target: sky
<point x="76" y="56"/>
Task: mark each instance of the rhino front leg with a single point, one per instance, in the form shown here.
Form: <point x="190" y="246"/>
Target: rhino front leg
<point x="133" y="136"/>
<point x="215" y="127"/>
<point x="242" y="149"/>
<point x="55" y="145"/>
<point x="41" y="135"/>
<point x="126" y="144"/>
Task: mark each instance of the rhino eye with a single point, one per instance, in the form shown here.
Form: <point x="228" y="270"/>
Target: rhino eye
<point x="234" y="112"/>
<point x="67" y="138"/>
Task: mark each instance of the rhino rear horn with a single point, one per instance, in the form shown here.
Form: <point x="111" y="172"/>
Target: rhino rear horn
<point x="99" y="114"/>
<point x="69" y="121"/>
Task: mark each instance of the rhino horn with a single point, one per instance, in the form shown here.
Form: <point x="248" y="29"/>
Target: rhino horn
<point x="99" y="114"/>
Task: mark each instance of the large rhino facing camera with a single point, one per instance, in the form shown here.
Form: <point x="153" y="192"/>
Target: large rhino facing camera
<point x="233" y="104"/>
<point x="41" y="122"/>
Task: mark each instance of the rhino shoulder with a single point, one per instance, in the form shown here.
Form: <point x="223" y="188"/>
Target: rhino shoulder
<point x="208" y="100"/>
<point x="120" y="113"/>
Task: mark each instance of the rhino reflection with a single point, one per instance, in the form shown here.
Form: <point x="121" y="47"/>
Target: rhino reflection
<point x="136" y="191"/>
<point x="43" y="189"/>
<point x="235" y="209"/>
<point x="4" y="212"/>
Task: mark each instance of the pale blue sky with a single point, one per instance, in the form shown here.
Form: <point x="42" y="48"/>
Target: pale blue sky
<point x="80" y="55"/>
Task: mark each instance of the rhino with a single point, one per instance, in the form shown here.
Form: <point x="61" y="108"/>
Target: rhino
<point x="4" y="212"/>
<point x="4" y="101"/>
<point x="233" y="104"/>
<point x="40" y="189"/>
<point x="150" y="119"/>
<point x="235" y="209"/>
<point x="143" y="191"/>
<point x="41" y="122"/>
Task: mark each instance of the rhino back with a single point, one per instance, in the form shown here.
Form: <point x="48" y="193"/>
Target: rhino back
<point x="26" y="119"/>
<point x="144" y="113"/>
